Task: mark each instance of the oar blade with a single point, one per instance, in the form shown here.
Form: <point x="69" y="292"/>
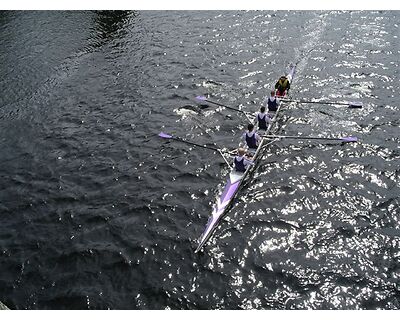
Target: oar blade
<point x="201" y="98"/>
<point x="349" y="139"/>
<point x="165" y="135"/>
<point x="355" y="105"/>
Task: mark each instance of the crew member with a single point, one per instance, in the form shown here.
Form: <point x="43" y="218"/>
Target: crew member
<point x="271" y="102"/>
<point x="282" y="85"/>
<point x="251" y="138"/>
<point x="263" y="119"/>
<point x="241" y="162"/>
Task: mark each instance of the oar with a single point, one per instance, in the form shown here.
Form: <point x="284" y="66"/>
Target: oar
<point x="355" y="104"/>
<point x="344" y="139"/>
<point x="203" y="98"/>
<point x="168" y="136"/>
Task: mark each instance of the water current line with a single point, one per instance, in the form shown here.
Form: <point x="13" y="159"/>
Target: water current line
<point x="312" y="34"/>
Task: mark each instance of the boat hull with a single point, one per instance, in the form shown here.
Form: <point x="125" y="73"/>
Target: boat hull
<point x="232" y="187"/>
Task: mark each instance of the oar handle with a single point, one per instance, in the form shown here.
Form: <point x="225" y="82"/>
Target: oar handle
<point x="202" y="98"/>
<point x="196" y="144"/>
<point x="168" y="136"/>
<point x="220" y="151"/>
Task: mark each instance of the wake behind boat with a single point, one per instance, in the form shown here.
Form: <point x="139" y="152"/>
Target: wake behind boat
<point x="235" y="181"/>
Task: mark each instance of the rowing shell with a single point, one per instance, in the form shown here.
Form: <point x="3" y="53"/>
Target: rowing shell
<point x="233" y="185"/>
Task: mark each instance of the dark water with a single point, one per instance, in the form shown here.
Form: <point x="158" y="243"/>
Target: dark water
<point x="98" y="212"/>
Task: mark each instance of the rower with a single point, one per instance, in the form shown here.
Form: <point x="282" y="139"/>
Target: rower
<point x="282" y="85"/>
<point x="251" y="137"/>
<point x="241" y="162"/>
<point x="271" y="102"/>
<point x="263" y="119"/>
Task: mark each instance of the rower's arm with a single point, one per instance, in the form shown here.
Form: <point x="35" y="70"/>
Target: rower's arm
<point x="248" y="162"/>
<point x="243" y="140"/>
